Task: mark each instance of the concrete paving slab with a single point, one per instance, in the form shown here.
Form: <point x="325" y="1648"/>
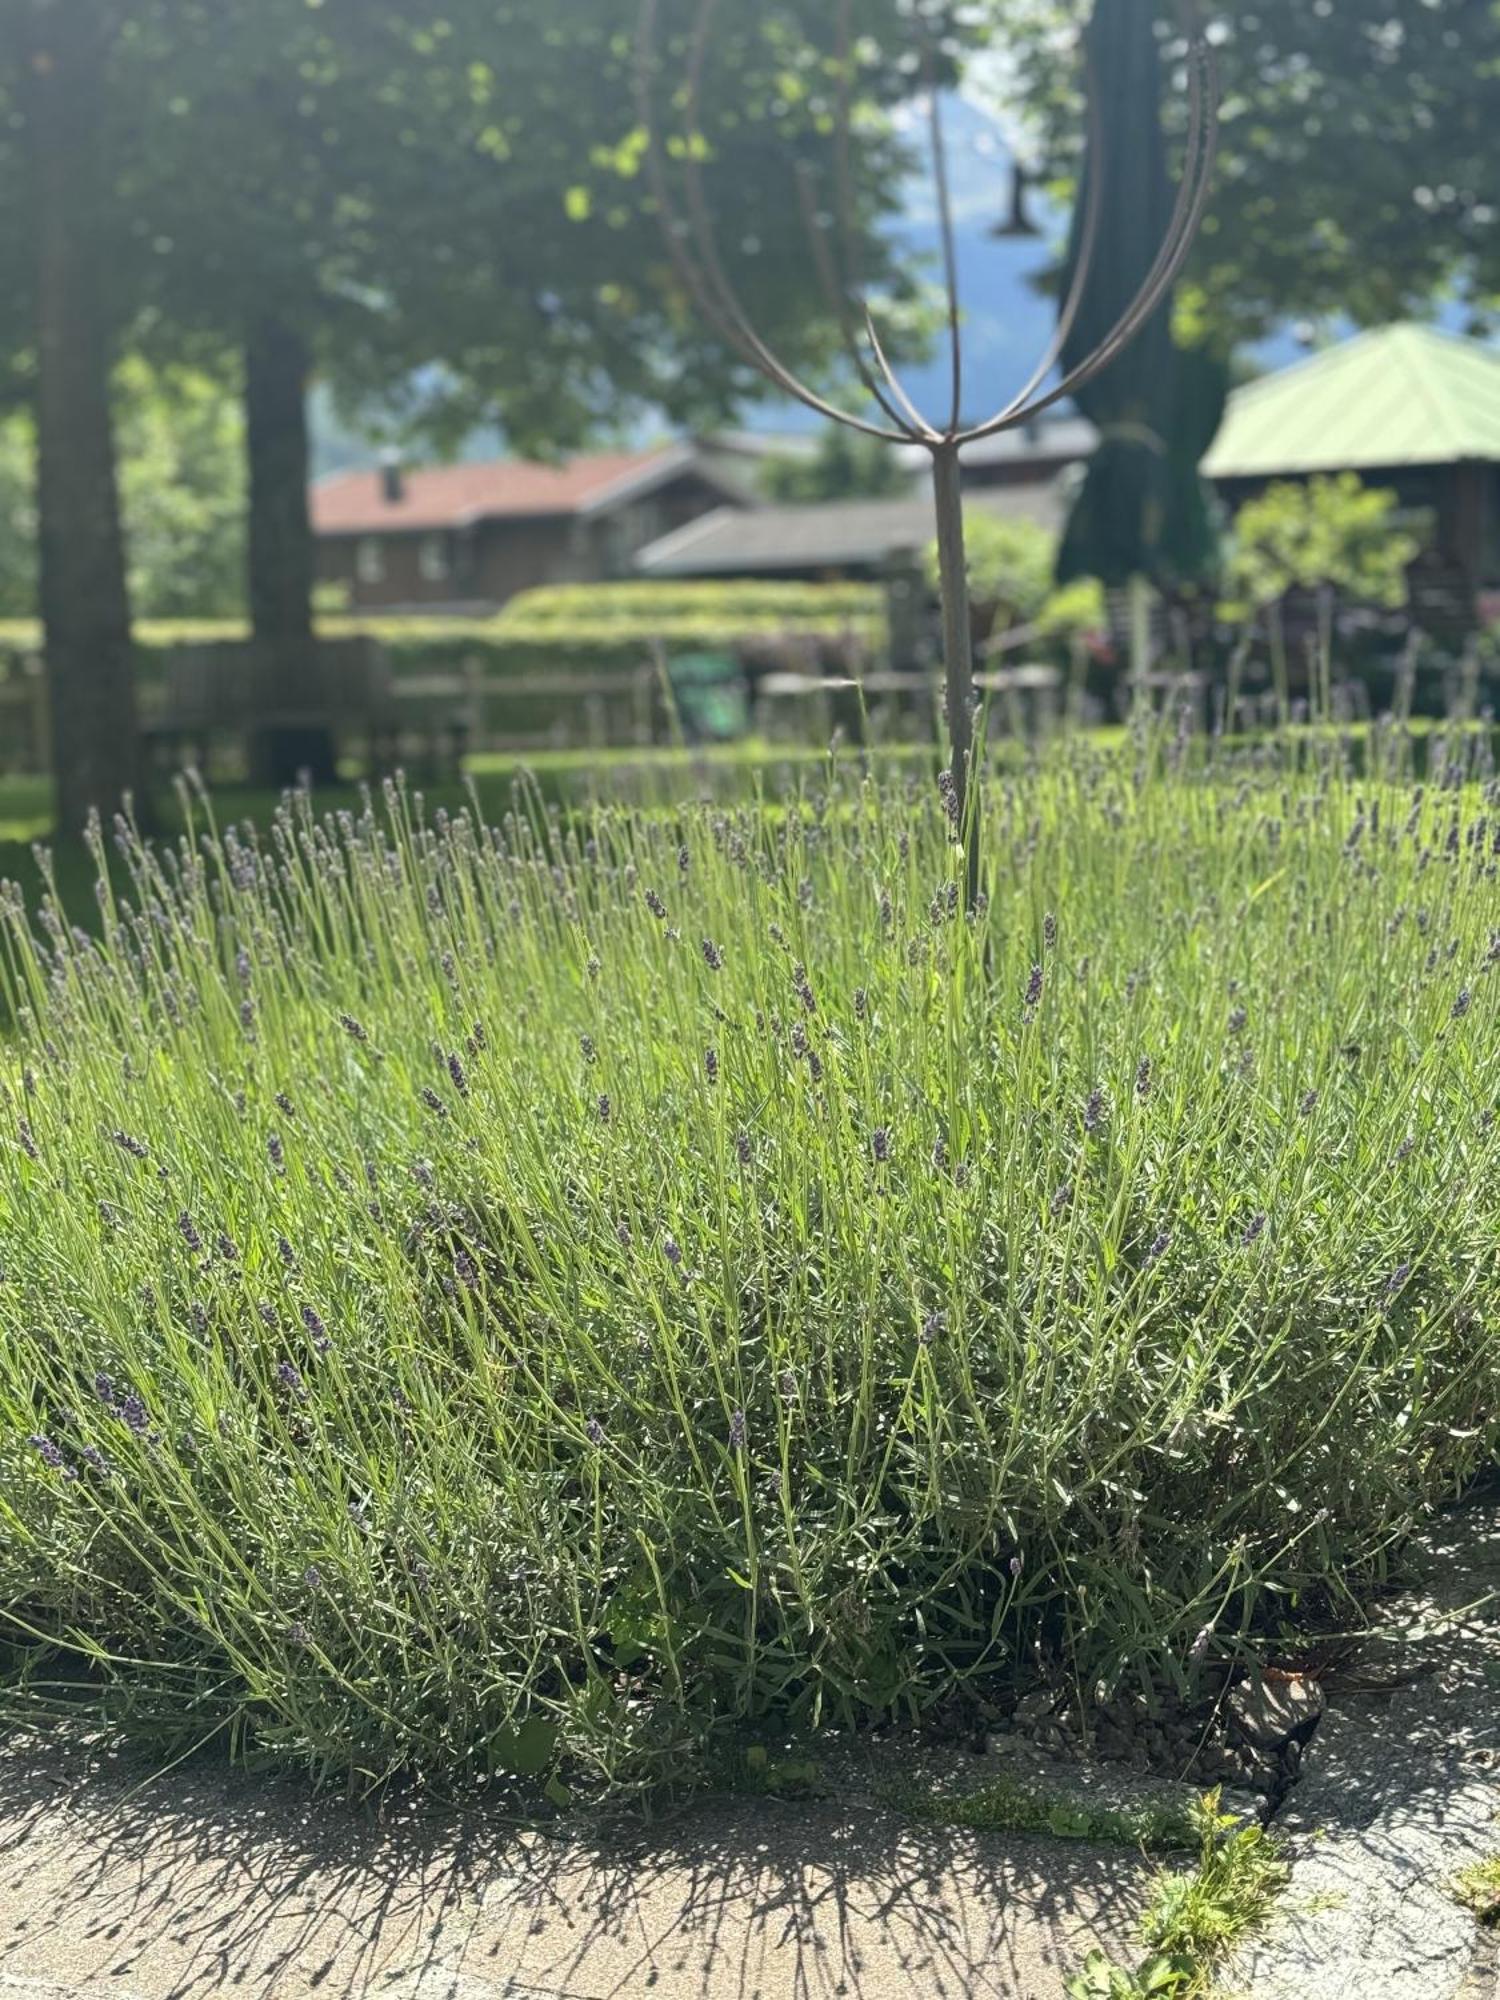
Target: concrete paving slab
<point x="207" y="1883"/>
<point x="1401" y="1791"/>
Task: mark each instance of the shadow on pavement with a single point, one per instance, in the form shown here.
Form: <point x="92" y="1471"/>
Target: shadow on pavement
<point x="205" y="1882"/>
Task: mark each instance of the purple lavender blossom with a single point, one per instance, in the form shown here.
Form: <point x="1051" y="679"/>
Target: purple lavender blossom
<point x="594" y="1432"/>
<point x="465" y="1269"/>
<point x="313" y="1321"/>
<point x="948" y="791"/>
<point x="655" y="904"/>
<point x="228" y="1248"/>
<point x="1160" y="1244"/>
<point x="353" y="1028"/>
<point x="1309" y="1103"/>
<point x="713" y="958"/>
<point x="1254" y="1229"/>
<point x="288" y="1376"/>
<point x="737" y="1431"/>
<point x="742" y="1147"/>
<point x="1462" y="1004"/>
<point x="457" y="1073"/>
<point x="711" y="1064"/>
<point x="880" y="1144"/>
<point x="603" y="1107"/>
<point x="104" y="1389"/>
<point x="133" y="1414"/>
<point x="1093" y="1110"/>
<point x="1049" y="931"/>
<point x="671" y="1249"/>
<point x="50" y="1454"/>
<point x="189" y="1232"/>
<point x="433" y="1102"/>
<point x="136" y="1149"/>
<point x="1143" y="1077"/>
<point x="1034" y="985"/>
<point x="933" y="1327"/>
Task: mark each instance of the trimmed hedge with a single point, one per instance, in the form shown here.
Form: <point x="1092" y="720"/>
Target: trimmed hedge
<point x="583" y="628"/>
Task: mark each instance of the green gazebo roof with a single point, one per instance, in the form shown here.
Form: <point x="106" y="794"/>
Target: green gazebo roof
<point x="1403" y="395"/>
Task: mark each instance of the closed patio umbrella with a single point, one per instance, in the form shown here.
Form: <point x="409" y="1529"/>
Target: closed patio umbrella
<point x="1141" y="512"/>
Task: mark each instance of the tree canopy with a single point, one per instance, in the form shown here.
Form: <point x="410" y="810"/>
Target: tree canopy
<point x="444" y="204"/>
<point x="1356" y="174"/>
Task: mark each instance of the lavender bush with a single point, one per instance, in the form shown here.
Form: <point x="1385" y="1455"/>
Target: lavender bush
<point x="516" y="1300"/>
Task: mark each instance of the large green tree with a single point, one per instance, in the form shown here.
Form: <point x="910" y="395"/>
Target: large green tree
<point x="451" y="200"/>
<point x="396" y="191"/>
<point x="58" y="57"/>
<point x="1357" y="169"/>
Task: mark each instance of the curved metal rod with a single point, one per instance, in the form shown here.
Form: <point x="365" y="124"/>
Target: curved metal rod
<point x="836" y="272"/>
<point x="1087" y="247"/>
<point x="1176" y="246"/>
<point x="726" y="305"/>
<point x="922" y="431"/>
<point x="839" y="304"/>
<point x="939" y="143"/>
<point x="731" y="323"/>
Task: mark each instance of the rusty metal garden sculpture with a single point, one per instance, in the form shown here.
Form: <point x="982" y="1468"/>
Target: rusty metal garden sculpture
<point x="678" y="187"/>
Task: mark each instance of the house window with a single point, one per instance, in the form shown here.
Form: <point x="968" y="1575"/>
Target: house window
<point x="369" y="559"/>
<point x="432" y="559"/>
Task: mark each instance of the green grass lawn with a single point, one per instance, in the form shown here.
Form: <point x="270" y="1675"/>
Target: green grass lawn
<point x="521" y="1302"/>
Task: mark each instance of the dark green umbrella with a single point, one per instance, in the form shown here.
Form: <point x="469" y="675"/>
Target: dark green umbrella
<point x="1142" y="510"/>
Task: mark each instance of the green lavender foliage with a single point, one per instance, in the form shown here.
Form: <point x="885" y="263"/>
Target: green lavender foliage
<point x="521" y="1301"/>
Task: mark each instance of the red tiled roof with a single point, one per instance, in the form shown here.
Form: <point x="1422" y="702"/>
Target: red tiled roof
<point x="447" y="496"/>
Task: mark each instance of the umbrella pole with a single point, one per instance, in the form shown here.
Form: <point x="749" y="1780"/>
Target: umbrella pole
<point x="958" y="651"/>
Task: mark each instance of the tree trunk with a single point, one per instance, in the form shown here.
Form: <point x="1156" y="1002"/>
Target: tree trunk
<point x="84" y="601"/>
<point x="290" y="743"/>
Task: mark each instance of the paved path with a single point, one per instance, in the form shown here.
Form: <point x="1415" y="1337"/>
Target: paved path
<point x="1401" y="1791"/>
<point x="200" y="1884"/>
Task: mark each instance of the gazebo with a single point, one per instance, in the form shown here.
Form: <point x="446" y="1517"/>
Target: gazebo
<point x="1405" y="407"/>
